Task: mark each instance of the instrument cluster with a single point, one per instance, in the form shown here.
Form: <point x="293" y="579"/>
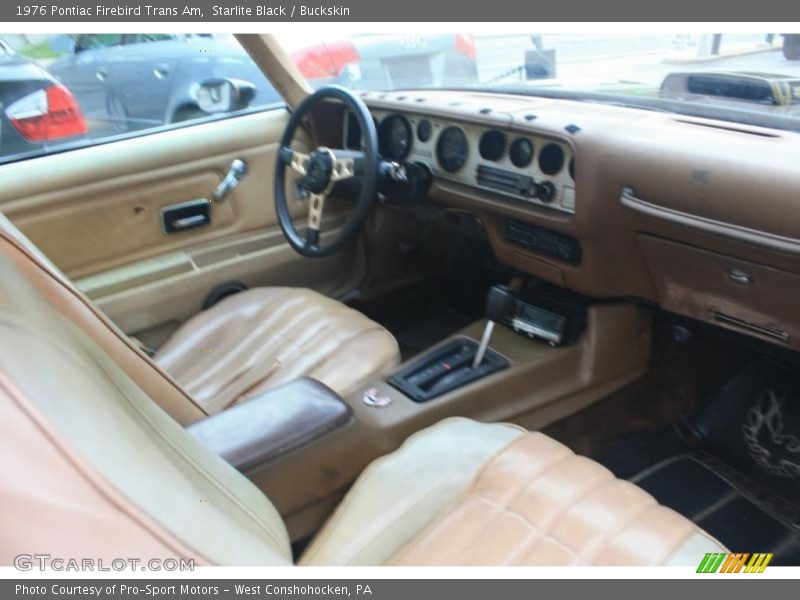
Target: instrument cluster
<point x="522" y="166"/>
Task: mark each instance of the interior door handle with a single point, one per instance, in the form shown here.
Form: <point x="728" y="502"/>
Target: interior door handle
<point x="186" y="215"/>
<point x="189" y="222"/>
<point x="102" y="73"/>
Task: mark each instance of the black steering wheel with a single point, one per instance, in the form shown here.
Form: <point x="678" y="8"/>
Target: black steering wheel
<point x="321" y="169"/>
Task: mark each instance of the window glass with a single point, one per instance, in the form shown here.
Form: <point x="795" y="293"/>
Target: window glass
<point x="91" y="41"/>
<point x="139" y="38"/>
<point x="742" y="77"/>
<point x="63" y="91"/>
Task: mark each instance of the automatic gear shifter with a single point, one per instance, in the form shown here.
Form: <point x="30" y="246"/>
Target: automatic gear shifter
<point x="460" y="361"/>
<point x="501" y="305"/>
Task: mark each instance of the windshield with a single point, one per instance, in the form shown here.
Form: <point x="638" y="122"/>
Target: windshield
<point x="744" y="77"/>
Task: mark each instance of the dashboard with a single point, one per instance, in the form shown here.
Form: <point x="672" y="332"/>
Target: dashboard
<point x="528" y="168"/>
<point x="697" y="216"/>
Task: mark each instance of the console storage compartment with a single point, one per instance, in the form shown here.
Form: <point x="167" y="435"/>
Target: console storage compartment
<point x="272" y="423"/>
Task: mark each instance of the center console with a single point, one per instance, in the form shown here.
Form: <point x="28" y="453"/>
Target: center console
<point x="545" y="358"/>
<point x="462" y="361"/>
<point x="539" y="357"/>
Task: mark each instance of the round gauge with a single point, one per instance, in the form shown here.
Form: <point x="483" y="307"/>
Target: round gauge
<point x="394" y="137"/>
<point x="492" y="145"/>
<point x="572" y="168"/>
<point x="521" y="152"/>
<point x="355" y="140"/>
<point x="424" y="130"/>
<point x="551" y="159"/>
<point x="452" y="149"/>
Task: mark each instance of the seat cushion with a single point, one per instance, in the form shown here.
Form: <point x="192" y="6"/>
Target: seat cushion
<point x="263" y="337"/>
<point x="465" y="493"/>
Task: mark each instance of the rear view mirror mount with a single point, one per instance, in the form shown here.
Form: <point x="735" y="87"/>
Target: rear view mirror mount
<point x="224" y="95"/>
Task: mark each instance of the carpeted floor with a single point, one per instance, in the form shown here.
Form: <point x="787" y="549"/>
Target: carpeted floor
<point x="733" y="466"/>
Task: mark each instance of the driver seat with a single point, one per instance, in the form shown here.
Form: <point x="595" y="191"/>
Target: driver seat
<point x="246" y="343"/>
<point x="264" y="337"/>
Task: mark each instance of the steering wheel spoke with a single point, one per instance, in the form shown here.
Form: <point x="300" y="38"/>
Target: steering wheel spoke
<point x="316" y="204"/>
<point x="346" y="164"/>
<point x="297" y="161"/>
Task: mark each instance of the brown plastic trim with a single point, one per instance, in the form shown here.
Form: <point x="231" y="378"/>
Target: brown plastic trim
<point x="764" y="239"/>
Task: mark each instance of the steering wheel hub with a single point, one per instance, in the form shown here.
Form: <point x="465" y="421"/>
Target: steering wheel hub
<point x="319" y="170"/>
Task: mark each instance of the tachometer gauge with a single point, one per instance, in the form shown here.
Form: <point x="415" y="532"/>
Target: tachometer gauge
<point x="452" y="149"/>
<point x="394" y="137"/>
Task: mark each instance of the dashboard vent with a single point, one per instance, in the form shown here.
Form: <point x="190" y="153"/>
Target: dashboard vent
<point x="504" y="181"/>
<point x="771" y="332"/>
<point x="733" y="128"/>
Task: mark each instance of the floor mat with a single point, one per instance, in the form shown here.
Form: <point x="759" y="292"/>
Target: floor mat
<point x="753" y="423"/>
<point x="682" y="376"/>
<point x="733" y="467"/>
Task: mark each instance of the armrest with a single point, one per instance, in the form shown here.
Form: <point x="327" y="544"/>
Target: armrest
<point x="272" y="423"/>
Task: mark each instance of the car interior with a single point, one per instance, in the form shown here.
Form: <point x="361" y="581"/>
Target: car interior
<point x="422" y="327"/>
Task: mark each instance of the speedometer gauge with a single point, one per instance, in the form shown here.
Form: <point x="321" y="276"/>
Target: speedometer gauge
<point x="452" y="149"/>
<point x="394" y="137"/>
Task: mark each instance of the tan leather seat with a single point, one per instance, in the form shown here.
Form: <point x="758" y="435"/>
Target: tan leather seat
<point x="95" y="468"/>
<point x="267" y="336"/>
<point x="248" y="342"/>
<point x="467" y="493"/>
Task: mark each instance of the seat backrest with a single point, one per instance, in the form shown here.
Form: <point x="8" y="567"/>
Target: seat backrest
<point x="92" y="466"/>
<point x="66" y="299"/>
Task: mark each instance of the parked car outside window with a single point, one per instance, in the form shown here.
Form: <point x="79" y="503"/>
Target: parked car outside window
<point x="64" y="91"/>
<point x="120" y="84"/>
<point x="35" y="110"/>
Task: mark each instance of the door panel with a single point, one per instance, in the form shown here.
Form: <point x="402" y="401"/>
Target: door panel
<point x="95" y="213"/>
<point x="48" y="197"/>
<point x="112" y="227"/>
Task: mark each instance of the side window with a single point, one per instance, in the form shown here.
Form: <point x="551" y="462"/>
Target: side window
<point x="92" y="41"/>
<point x="64" y="91"/>
<point x="141" y="38"/>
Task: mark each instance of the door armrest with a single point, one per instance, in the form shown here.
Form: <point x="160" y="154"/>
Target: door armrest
<point x="272" y="423"/>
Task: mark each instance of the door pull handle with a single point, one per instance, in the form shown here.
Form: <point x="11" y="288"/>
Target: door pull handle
<point x="236" y="172"/>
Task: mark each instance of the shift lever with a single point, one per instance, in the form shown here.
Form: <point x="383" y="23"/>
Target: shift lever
<point x="500" y="305"/>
